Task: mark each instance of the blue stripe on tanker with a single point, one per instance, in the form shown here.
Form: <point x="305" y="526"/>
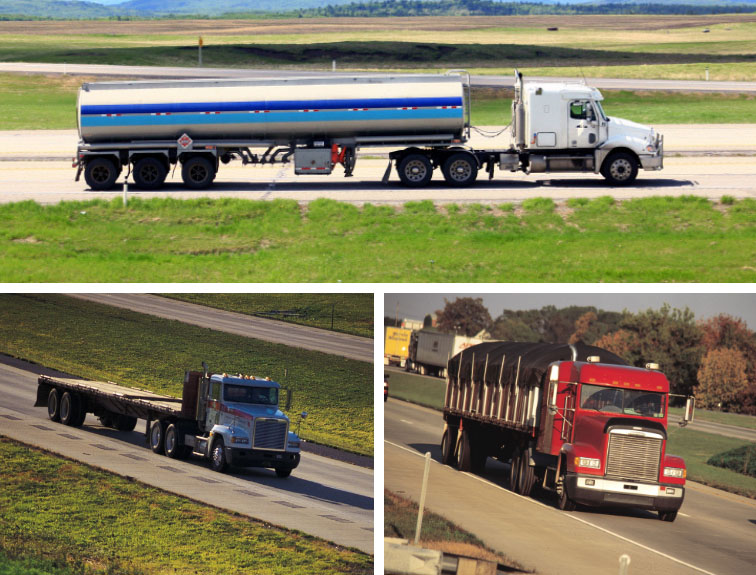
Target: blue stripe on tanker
<point x="177" y="108"/>
<point x="248" y="118"/>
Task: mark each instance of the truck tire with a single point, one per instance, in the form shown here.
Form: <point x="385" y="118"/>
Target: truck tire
<point x="53" y="405"/>
<point x="620" y="168"/>
<point x="149" y="173"/>
<point x="198" y="173"/>
<point x="107" y="419"/>
<point x="447" y="445"/>
<point x="124" y="422"/>
<point x="460" y="170"/>
<point x="669" y="516"/>
<point x="70" y="409"/>
<point x="157" y="436"/>
<point x="218" y="456"/>
<point x="526" y="478"/>
<point x="173" y="446"/>
<point x="415" y="170"/>
<point x="283" y="472"/>
<point x="464" y="459"/>
<point x="514" y="471"/>
<point x="100" y="173"/>
<point x="565" y="503"/>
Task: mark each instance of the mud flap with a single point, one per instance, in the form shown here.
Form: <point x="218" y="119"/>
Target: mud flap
<point x="387" y="173"/>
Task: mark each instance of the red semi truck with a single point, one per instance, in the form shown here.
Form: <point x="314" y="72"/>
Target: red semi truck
<point x="574" y="419"/>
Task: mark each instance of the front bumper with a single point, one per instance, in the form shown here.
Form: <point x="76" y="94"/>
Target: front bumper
<point x="654" y="161"/>
<point x="615" y="493"/>
<point x="240" y="457"/>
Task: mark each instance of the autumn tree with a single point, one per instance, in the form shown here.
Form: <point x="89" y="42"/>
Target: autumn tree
<point x="465" y="315"/>
<point x="621" y="342"/>
<point x="721" y="379"/>
<point x="582" y="326"/>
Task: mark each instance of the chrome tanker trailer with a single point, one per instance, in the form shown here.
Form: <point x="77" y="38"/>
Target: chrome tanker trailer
<point x="148" y="127"/>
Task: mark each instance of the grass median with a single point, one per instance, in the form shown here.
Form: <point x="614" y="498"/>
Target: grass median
<point x="657" y="239"/>
<point x="106" y="343"/>
<point x="64" y="518"/>
<point x="350" y="313"/>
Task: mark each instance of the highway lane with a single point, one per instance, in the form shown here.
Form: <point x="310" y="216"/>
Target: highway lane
<point x="293" y="335"/>
<point x="323" y="497"/>
<point x="708" y="177"/>
<point x="505" y="81"/>
<point x="714" y="533"/>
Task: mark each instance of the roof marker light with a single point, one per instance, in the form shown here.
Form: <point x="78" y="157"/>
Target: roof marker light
<point x="593" y="359"/>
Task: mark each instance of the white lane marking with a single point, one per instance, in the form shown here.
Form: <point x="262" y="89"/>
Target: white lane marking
<point x="681" y="514"/>
<point x="407" y="422"/>
<point x="571" y="516"/>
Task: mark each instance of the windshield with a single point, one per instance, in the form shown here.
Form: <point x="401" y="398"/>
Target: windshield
<point x="626" y="401"/>
<point x="246" y="394"/>
<point x="600" y="109"/>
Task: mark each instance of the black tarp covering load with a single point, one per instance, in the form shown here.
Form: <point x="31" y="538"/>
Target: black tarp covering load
<point x="534" y="359"/>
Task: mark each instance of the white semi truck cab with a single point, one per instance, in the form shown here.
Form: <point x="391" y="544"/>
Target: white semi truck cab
<point x="559" y="127"/>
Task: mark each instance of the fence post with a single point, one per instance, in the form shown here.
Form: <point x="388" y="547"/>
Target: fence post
<point x="422" y="497"/>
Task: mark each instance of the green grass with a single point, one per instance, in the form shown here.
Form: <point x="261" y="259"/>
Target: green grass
<point x="34" y="102"/>
<point x="63" y="517"/>
<point x="350" y="313"/>
<point x="228" y="240"/>
<point x="740" y="460"/>
<point x="736" y="419"/>
<point x="696" y="447"/>
<point x="105" y="343"/>
<point x="417" y="389"/>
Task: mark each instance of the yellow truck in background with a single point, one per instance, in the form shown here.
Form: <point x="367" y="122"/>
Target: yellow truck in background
<point x="396" y="347"/>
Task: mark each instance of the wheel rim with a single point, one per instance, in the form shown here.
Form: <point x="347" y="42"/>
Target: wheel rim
<point x="100" y="174"/>
<point x="65" y="407"/>
<point x="460" y="170"/>
<point x="155" y="436"/>
<point x="197" y="173"/>
<point x="52" y="405"/>
<point x="620" y="169"/>
<point x="217" y="456"/>
<point x="415" y="170"/>
<point x="149" y="173"/>
<point x="170" y="441"/>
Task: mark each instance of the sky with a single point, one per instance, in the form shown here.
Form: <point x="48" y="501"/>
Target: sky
<point x="741" y="305"/>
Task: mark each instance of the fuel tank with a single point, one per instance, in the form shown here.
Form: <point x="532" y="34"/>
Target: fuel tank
<point x="279" y="110"/>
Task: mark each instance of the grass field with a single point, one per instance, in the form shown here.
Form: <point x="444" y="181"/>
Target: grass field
<point x="348" y="313"/>
<point x="686" y="239"/>
<point x="427" y="391"/>
<point x="100" y="342"/>
<point x="62" y="517"/>
<point x="736" y="419"/>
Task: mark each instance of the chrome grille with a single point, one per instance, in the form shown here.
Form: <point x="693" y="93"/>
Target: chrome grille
<point x="633" y="457"/>
<point x="270" y="434"/>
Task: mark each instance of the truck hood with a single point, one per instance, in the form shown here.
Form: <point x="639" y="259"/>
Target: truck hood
<point x="622" y="127"/>
<point x="242" y="409"/>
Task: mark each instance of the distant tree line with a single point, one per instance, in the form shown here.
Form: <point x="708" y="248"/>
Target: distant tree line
<point x="491" y="8"/>
<point x="714" y="359"/>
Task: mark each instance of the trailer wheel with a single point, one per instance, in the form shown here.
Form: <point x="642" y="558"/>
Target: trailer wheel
<point x="464" y="461"/>
<point x="620" y="168"/>
<point x="53" y="405"/>
<point x="70" y="409"/>
<point x="100" y="173"/>
<point x="218" y="456"/>
<point x="514" y="471"/>
<point x="669" y="516"/>
<point x="149" y="173"/>
<point x="124" y="422"/>
<point x="415" y="170"/>
<point x="157" y="436"/>
<point x="198" y="173"/>
<point x="283" y="472"/>
<point x="107" y="419"/>
<point x="173" y="446"/>
<point x="447" y="446"/>
<point x="460" y="170"/>
<point x="526" y="478"/>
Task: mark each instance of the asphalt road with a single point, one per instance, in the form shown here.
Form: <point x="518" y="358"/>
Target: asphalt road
<point x="498" y="81"/>
<point x="714" y="532"/>
<point x="323" y="497"/>
<point x="293" y="335"/>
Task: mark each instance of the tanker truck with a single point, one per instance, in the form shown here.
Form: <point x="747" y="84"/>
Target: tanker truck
<point x="224" y="419"/>
<point x="575" y="420"/>
<point x="151" y="128"/>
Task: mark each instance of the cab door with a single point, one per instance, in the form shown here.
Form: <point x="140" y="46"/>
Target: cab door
<point x="583" y="125"/>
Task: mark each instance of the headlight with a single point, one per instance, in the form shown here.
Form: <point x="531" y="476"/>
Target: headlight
<point x="237" y="439"/>
<point x="588" y="462"/>
<point x="674" y="472"/>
